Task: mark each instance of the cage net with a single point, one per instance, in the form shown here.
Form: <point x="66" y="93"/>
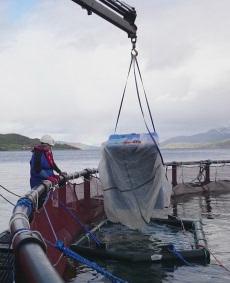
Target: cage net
<point x="192" y="179"/>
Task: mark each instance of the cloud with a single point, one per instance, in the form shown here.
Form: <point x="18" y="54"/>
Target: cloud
<point x="63" y="72"/>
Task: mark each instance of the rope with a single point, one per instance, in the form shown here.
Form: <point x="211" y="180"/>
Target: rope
<point x="51" y="226"/>
<point x="17" y="232"/>
<point x="123" y="95"/>
<point x="22" y="217"/>
<point x="134" y="62"/>
<point x="87" y="231"/>
<point x="146" y="99"/>
<point x="4" y="188"/>
<point x="25" y="202"/>
<point x="177" y="254"/>
<point x="216" y="259"/>
<point x="143" y="115"/>
<point x="68" y="252"/>
<point x="182" y="174"/>
<point x="7" y="200"/>
<point x="184" y="231"/>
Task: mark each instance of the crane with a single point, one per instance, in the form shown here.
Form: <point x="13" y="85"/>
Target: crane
<point x="116" y="12"/>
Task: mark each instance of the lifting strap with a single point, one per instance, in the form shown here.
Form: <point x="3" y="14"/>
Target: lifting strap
<point x="146" y="99"/>
<point x="123" y="95"/>
<point x="134" y="64"/>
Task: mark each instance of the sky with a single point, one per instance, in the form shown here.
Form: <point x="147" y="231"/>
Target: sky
<point x="62" y="72"/>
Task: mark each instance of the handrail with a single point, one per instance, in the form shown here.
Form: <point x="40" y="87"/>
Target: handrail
<point x="204" y="164"/>
<point x="181" y="163"/>
<point x="83" y="173"/>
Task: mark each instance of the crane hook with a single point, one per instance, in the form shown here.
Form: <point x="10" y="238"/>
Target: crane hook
<point x="134" y="51"/>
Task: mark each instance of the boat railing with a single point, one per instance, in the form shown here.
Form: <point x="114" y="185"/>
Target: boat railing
<point x="208" y="170"/>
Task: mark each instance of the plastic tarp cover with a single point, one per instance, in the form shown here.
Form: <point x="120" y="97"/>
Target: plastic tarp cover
<point x="133" y="179"/>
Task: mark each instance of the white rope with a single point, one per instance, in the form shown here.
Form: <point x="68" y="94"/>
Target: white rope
<point x="182" y="174"/>
<point x="16" y="234"/>
<point x="51" y="226"/>
<point x="35" y="199"/>
<point x="21" y="218"/>
<point x="59" y="259"/>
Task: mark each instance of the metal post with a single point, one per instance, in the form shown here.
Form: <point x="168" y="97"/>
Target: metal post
<point x="174" y="174"/>
<point x="207" y="173"/>
<point x="87" y="187"/>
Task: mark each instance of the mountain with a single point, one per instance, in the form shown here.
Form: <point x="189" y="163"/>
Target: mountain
<point x="214" y="138"/>
<point x="19" y="142"/>
<point x="79" y="145"/>
<point x="83" y="146"/>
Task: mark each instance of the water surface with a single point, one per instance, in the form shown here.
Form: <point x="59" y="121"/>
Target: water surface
<point x="214" y="209"/>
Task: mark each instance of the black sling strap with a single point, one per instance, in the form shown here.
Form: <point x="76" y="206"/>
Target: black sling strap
<point x="146" y="99"/>
<point x="123" y="95"/>
<point x="142" y="112"/>
<point x="134" y="63"/>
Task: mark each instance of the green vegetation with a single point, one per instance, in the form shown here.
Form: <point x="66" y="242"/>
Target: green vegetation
<point x="18" y="142"/>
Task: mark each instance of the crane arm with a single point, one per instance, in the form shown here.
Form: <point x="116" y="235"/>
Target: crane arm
<point x="116" y="12"/>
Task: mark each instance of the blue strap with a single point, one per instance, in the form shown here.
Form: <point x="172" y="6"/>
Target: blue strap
<point x="68" y="252"/>
<point x="24" y="201"/>
<point x="172" y="249"/>
<point x="87" y="231"/>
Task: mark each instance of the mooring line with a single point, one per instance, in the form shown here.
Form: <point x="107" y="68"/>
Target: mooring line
<point x="216" y="259"/>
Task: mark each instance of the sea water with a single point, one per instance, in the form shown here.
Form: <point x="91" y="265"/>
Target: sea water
<point x="214" y="210"/>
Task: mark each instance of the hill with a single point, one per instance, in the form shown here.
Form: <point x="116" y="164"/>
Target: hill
<point x="19" y="142"/>
<point x="214" y="138"/>
<point x="84" y="146"/>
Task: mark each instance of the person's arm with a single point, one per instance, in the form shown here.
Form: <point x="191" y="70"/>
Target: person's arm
<point x="55" y="179"/>
<point x="56" y="168"/>
<point x="44" y="174"/>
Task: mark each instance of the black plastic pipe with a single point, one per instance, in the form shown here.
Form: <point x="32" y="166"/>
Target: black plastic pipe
<point x="195" y="255"/>
<point x="32" y="264"/>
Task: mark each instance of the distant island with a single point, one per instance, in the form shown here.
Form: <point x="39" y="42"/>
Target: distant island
<point x="18" y="142"/>
<point x="212" y="139"/>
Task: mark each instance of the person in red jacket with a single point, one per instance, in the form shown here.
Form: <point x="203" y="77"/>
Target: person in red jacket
<point x="42" y="165"/>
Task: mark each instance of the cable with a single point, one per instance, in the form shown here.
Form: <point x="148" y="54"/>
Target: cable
<point x="216" y="259"/>
<point x="123" y="95"/>
<point x="7" y="200"/>
<point x="87" y="231"/>
<point x="146" y="99"/>
<point x="139" y="99"/>
<point x="9" y="191"/>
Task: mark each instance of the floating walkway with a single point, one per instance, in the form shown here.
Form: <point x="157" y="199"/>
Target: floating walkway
<point x="165" y="254"/>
